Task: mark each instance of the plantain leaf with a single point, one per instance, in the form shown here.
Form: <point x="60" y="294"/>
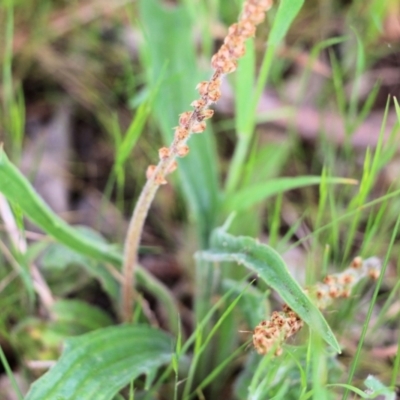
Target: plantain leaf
<point x="270" y="267"/>
<point x="99" y="364"/>
<point x="76" y="317"/>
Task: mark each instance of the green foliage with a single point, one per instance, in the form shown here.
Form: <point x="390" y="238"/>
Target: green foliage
<point x="251" y="195"/>
<point x="287" y="11"/>
<point x="270" y="267"/>
<point x="169" y="52"/>
<point x="331" y="222"/>
<point x="99" y="364"/>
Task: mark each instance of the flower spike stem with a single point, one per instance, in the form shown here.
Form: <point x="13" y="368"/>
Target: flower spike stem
<point x="190" y="122"/>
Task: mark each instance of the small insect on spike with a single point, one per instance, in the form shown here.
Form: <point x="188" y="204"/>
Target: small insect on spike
<point x="150" y="171"/>
<point x="163" y="153"/>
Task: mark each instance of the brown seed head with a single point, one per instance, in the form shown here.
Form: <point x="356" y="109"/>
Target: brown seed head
<point x="163" y="153"/>
<point x="160" y="180"/>
<point x="184" y="118"/>
<point x="202" y="88"/>
<point x="235" y="46"/>
<point x="214" y="95"/>
<point x="265" y="4"/>
<point x="334" y="292"/>
<point x="206" y="114"/>
<point x="346" y="293"/>
<point x="329" y="279"/>
<point x="200" y="103"/>
<point x="246" y="28"/>
<point x="346" y="279"/>
<point x="183" y="151"/>
<point x="255" y="14"/>
<point x="199" y="127"/>
<point x="181" y="133"/>
<point x="357" y="263"/>
<point x="150" y="171"/>
<point x="374" y="273"/>
<point x="224" y="53"/>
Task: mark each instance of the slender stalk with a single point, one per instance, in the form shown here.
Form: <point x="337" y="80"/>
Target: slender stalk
<point x="190" y="122"/>
<point x="132" y="245"/>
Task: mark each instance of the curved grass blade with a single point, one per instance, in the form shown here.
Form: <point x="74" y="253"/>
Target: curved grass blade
<point x="17" y="189"/>
<point x="251" y="195"/>
<point x="99" y="364"/>
<point x="270" y="267"/>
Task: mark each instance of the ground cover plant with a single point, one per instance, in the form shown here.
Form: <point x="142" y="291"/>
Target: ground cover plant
<point x="267" y="264"/>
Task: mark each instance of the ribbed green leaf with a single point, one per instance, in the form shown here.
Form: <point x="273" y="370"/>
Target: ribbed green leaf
<point x="75" y="316"/>
<point x="270" y="267"/>
<point x="171" y="52"/>
<point x="97" y="365"/>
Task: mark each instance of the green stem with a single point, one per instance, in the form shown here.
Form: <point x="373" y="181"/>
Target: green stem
<point x="10" y="374"/>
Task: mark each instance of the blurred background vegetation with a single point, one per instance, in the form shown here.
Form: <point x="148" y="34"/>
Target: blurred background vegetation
<point x="91" y="89"/>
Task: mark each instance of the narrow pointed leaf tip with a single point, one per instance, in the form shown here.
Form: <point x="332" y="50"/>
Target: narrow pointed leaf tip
<point x="270" y="267"/>
<point x="99" y="364"/>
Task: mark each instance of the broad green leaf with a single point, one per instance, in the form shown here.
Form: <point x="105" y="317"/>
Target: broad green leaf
<point x="251" y="195"/>
<point x="17" y="189"/>
<point x="171" y="51"/>
<point x="270" y="267"/>
<point x="99" y="364"/>
<point x="75" y="317"/>
<point x="378" y="388"/>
